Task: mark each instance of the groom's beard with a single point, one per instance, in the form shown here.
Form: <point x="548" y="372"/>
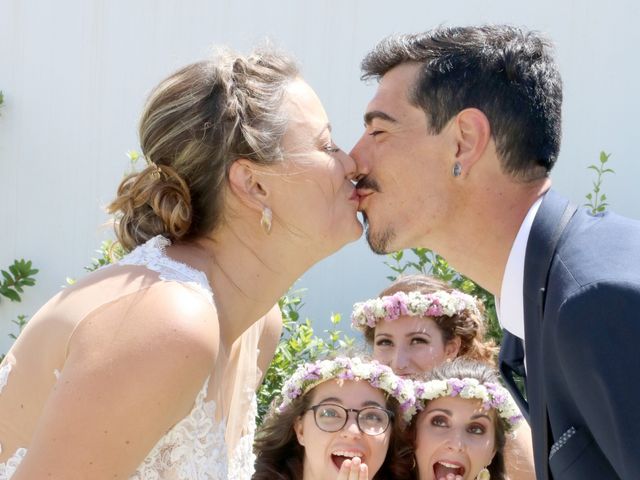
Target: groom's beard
<point x="378" y="242"/>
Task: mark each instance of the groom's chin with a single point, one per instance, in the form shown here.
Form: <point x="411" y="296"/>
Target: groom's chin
<point x="380" y="242"/>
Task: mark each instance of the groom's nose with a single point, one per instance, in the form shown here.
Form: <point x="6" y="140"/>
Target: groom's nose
<point x="361" y="155"/>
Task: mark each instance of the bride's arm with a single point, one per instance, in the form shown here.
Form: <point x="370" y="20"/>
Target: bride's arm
<point x="133" y="370"/>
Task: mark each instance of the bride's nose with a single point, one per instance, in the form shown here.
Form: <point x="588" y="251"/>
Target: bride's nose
<point x="349" y="165"/>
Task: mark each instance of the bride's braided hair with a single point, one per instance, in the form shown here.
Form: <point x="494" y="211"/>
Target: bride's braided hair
<point x="194" y="125"/>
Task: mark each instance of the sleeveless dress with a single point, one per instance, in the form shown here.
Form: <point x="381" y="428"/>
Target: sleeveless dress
<point x="209" y="443"/>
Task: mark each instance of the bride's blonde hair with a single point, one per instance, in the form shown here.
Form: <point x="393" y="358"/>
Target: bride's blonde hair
<point x="194" y="125"/>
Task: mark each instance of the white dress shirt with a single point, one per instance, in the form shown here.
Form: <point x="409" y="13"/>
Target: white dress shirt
<point x="510" y="305"/>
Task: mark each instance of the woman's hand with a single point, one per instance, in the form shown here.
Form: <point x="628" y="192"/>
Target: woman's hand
<point x="353" y="470"/>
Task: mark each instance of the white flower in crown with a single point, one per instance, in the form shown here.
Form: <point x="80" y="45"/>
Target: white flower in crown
<point x="433" y="389"/>
<point x="390" y="307"/>
<point x="380" y="376"/>
<point x="361" y="370"/>
<point x="326" y="367"/>
<point x="490" y="394"/>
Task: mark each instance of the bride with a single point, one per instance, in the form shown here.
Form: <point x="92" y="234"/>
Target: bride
<point x="148" y="368"/>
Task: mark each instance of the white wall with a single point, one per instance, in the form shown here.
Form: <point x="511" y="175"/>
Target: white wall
<point x="75" y="74"/>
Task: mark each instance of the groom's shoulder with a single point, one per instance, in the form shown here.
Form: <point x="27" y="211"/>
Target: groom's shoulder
<point x="602" y="247"/>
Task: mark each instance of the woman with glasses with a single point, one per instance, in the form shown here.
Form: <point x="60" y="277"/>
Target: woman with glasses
<point x="338" y="419"/>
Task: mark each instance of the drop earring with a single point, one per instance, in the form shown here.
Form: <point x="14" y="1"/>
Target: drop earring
<point x="484" y="474"/>
<point x="265" y="221"/>
<point x="457" y="169"/>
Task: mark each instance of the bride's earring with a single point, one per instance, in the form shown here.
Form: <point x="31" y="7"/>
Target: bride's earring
<point x="265" y="221"/>
<point x="457" y="169"/>
<point x="483" y="474"/>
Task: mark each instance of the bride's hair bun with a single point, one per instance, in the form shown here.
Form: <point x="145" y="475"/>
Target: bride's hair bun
<point x="155" y="201"/>
<point x="195" y="124"/>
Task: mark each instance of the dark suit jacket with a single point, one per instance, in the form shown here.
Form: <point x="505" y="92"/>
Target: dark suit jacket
<point x="582" y="341"/>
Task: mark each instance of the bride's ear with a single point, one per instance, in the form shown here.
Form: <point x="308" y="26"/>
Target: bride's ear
<point x="245" y="182"/>
<point x="298" y="427"/>
<point x="473" y="133"/>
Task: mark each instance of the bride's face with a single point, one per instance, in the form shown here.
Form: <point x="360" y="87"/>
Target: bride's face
<point x="313" y="196"/>
<point x="324" y="452"/>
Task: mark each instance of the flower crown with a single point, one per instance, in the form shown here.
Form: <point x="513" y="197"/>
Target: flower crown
<point x="416" y="304"/>
<point x="491" y="394"/>
<point x="379" y="376"/>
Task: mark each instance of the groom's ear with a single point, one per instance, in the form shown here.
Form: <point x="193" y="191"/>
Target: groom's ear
<point x="473" y="132"/>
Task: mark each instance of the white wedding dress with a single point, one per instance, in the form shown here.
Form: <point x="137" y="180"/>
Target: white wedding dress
<point x="214" y="441"/>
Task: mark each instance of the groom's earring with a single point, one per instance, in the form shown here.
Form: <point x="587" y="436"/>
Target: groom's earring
<point x="483" y="474"/>
<point x="457" y="169"/>
<point x="265" y="221"/>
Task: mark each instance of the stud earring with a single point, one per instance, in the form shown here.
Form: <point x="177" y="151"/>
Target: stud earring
<point x="457" y="169"/>
<point x="265" y="221"/>
<point x="483" y="474"/>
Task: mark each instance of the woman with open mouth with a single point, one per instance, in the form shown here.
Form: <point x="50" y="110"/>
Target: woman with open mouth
<point x="339" y="419"/>
<point x="417" y="323"/>
<point x="461" y="429"/>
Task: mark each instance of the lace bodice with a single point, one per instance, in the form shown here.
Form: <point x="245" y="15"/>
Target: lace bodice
<point x="196" y="448"/>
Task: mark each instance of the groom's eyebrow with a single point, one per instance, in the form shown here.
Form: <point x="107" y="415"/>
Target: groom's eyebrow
<point x="369" y="116"/>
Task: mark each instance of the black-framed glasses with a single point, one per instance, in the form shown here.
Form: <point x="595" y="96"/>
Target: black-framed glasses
<point x="330" y="417"/>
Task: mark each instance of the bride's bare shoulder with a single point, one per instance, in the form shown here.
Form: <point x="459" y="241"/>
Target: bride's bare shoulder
<point x="161" y="318"/>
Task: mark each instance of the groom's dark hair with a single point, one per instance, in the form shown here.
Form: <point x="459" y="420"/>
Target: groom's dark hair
<point x="507" y="73"/>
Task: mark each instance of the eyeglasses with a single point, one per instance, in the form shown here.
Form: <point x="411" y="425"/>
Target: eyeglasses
<point x="370" y="420"/>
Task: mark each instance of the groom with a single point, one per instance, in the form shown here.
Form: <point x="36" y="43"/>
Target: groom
<point x="460" y="138"/>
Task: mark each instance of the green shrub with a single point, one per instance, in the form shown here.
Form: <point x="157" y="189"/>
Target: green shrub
<point x="597" y="201"/>
<point x="298" y="344"/>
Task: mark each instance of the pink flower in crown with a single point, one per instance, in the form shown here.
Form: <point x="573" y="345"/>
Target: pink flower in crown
<point x="391" y="308"/>
<point x="516" y="419"/>
<point x="498" y="396"/>
<point x="369" y="315"/>
<point x="312" y="373"/>
<point x="294" y="393"/>
<point x="376" y="373"/>
<point x="395" y="306"/>
<point x="402" y="300"/>
<point x="435" y="309"/>
<point x="456" y="386"/>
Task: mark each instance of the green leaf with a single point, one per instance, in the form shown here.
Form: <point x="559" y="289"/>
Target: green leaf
<point x="11" y="295"/>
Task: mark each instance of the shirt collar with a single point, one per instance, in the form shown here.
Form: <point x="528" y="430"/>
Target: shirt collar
<point x="510" y="305"/>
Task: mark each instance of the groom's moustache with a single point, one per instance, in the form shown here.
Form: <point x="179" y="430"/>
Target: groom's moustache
<point x="368" y="184"/>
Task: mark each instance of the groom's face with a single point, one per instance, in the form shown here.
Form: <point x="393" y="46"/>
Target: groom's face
<point x="405" y="181"/>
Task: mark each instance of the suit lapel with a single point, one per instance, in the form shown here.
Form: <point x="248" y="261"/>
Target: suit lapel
<point x="550" y="221"/>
